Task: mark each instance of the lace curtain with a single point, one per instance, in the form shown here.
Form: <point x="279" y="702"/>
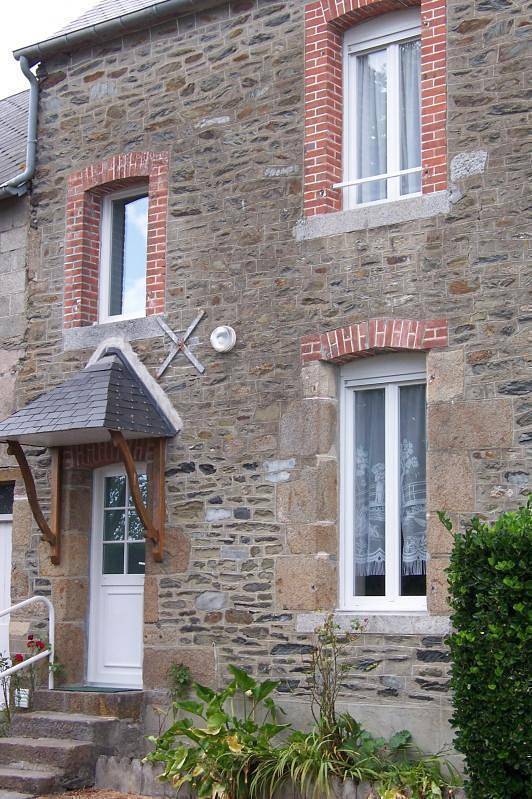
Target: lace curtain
<point x="370" y="487"/>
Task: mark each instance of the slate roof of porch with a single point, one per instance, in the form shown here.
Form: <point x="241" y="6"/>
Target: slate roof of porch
<point x="107" y="395"/>
<point x="13" y="124"/>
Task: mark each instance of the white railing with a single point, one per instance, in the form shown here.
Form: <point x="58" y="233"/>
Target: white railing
<point x="385" y="176"/>
<point x="46" y="653"/>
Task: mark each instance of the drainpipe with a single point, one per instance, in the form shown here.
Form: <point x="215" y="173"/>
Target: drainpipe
<point x="19" y="184"/>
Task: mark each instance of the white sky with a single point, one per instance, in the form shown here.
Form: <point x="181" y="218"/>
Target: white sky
<point x="25" y="22"/>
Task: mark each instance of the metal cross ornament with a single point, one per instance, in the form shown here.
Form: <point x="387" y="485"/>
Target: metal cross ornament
<point x="180" y="345"/>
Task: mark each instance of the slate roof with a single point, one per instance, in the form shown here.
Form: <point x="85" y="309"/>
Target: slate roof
<point x="13" y="124"/>
<point x="107" y="395"/>
<point x="107" y="9"/>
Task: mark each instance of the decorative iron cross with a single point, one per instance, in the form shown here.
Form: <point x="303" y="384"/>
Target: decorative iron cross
<point x="180" y="345"/>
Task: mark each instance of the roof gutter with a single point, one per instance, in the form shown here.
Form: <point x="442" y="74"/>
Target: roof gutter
<point x="112" y="28"/>
<point x="19" y="184"/>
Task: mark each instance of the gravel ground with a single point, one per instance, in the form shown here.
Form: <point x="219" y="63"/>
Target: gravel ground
<point x="92" y="793"/>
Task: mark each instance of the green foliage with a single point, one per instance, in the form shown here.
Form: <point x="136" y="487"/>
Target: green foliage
<point x="313" y="762"/>
<point x="490" y="591"/>
<point x="179" y="679"/>
<point x="216" y="752"/>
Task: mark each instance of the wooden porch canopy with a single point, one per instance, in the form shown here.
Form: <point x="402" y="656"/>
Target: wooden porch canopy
<point x="106" y="400"/>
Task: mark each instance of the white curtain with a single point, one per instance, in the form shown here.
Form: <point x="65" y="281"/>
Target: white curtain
<point x="413" y="480"/>
<point x="410" y="130"/>
<point x="371" y="123"/>
<point x="369" y="484"/>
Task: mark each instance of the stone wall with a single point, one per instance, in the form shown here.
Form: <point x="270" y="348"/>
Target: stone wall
<point x="252" y="477"/>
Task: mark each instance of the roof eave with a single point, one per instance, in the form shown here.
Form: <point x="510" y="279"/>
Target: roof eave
<point x="111" y="28"/>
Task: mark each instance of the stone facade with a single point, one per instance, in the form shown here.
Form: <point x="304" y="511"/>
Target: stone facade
<point x="252" y="540"/>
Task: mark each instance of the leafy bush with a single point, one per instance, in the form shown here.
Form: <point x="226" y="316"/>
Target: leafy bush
<point x="217" y="758"/>
<point x="490" y="591"/>
<point x="228" y="755"/>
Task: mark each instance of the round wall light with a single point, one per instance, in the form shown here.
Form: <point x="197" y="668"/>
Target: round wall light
<point x="223" y="338"/>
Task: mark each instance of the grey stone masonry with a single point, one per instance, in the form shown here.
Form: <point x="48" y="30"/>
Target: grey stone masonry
<point x="252" y="477"/>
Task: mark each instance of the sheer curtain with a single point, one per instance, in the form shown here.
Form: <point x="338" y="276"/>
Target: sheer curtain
<point x="369" y="491"/>
<point x="410" y="131"/>
<point x="413" y="480"/>
<point x="371" y="123"/>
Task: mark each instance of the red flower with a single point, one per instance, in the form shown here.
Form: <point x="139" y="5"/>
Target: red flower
<point x="39" y="644"/>
<point x="30" y="637"/>
<point x="18" y="658"/>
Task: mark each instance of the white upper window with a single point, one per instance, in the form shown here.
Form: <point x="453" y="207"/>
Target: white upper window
<point x="382" y="132"/>
<point x="123" y="254"/>
<point x="383" y="484"/>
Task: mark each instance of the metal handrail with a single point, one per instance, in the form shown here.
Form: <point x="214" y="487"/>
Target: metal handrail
<point x="46" y="653"/>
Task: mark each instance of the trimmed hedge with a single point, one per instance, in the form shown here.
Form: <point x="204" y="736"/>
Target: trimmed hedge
<point x="490" y="582"/>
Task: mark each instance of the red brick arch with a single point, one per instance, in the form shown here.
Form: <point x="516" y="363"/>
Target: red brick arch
<point x="373" y="336"/>
<point x="82" y="242"/>
<point x="325" y="23"/>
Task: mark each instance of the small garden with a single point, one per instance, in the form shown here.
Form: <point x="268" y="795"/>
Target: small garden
<point x="234" y="744"/>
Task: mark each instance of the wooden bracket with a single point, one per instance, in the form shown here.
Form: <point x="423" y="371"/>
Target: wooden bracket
<point x="51" y="533"/>
<point x="152" y="523"/>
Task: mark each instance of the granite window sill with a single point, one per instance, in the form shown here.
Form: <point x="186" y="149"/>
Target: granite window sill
<point x="379" y="623"/>
<point x="90" y="336"/>
<point x="373" y="216"/>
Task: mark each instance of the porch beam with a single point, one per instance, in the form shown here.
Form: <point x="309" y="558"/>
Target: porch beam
<point x="153" y="530"/>
<point x="51" y="533"/>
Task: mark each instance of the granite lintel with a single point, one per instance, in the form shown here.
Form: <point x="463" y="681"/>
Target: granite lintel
<point x="89" y="337"/>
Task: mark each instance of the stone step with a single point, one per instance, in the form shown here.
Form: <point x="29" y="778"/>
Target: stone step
<point x="121" y="704"/>
<point x="24" y="778"/>
<point x="68" y="755"/>
<point x="76" y="726"/>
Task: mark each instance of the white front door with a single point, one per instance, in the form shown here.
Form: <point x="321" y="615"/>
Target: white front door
<point x="5" y="580"/>
<point x="117" y="582"/>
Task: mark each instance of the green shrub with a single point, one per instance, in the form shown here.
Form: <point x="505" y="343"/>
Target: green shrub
<point x="490" y="590"/>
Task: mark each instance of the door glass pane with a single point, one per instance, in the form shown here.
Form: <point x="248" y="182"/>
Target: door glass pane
<point x="413" y="491"/>
<point x="369" y="491"/>
<point x="136" y="558"/>
<point x="371" y="124"/>
<point x="409" y="113"/>
<point x="135" y="529"/>
<point x="113" y="558"/>
<point x="129" y="238"/>
<point x="114" y="526"/>
<point x="143" y="485"/>
<point x="115" y="492"/>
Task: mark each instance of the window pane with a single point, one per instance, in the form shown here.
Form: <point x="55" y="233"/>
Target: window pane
<point x="371" y="124"/>
<point x="143" y="485"/>
<point x="135" y="558"/>
<point x="135" y="529"/>
<point x="409" y="111"/>
<point x="413" y="491"/>
<point x="113" y="558"/>
<point x="115" y="492"/>
<point x="6" y="497"/>
<point x="369" y="491"/>
<point x="129" y="236"/>
<point x="114" y="525"/>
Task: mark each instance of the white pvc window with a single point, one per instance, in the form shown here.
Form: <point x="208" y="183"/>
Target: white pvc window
<point x="383" y="484"/>
<point x="124" y="236"/>
<point x="382" y="107"/>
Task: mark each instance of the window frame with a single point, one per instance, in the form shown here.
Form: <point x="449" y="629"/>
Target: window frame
<point x="388" y="30"/>
<point x="106" y="232"/>
<point x="391" y="372"/>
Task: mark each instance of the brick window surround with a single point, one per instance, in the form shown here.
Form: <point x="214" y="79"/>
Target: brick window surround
<point x="92" y="456"/>
<point x="372" y="337"/>
<point x="325" y="23"/>
<point x="85" y="191"/>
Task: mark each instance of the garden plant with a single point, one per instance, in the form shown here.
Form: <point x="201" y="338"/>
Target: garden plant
<point x="490" y="583"/>
<point x="233" y="745"/>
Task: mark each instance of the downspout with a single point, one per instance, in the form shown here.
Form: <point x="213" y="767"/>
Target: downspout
<point x="18" y="185"/>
